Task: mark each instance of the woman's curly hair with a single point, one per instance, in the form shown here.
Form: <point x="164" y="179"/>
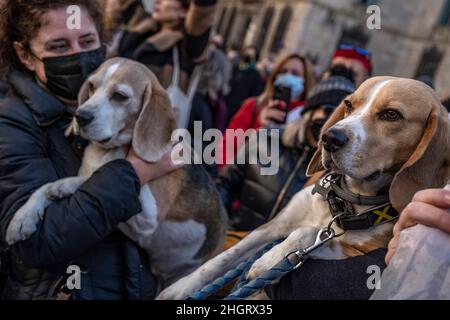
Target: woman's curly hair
<point x="20" y="20"/>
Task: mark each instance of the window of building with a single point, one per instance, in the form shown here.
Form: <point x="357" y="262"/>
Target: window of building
<point x="243" y="32"/>
<point x="430" y="62"/>
<point x="229" y="25"/>
<point x="280" y="33"/>
<point x="444" y="17"/>
<point x="264" y="28"/>
<point x="223" y="14"/>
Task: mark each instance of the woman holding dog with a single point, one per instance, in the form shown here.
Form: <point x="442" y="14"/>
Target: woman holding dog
<point x="45" y="63"/>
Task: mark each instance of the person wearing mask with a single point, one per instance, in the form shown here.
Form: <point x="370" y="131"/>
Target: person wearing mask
<point x="172" y="28"/>
<point x="46" y="64"/>
<point x="294" y="72"/>
<point x="357" y="59"/>
<point x="262" y="197"/>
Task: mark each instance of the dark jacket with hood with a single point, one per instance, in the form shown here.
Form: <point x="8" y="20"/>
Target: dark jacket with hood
<point x="79" y="230"/>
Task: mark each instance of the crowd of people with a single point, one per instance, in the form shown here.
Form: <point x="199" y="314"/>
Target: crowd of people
<point x="42" y="68"/>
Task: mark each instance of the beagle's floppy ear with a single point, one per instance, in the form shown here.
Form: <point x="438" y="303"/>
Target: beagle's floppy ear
<point x="429" y="165"/>
<point x="154" y="127"/>
<point x="83" y="95"/>
<point x="315" y="164"/>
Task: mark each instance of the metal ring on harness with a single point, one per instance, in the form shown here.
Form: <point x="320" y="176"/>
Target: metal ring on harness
<point x="334" y="220"/>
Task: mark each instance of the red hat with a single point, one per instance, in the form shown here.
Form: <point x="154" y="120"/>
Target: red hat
<point x="354" y="53"/>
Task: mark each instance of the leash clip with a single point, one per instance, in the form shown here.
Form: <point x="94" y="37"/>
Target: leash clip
<point x="297" y="258"/>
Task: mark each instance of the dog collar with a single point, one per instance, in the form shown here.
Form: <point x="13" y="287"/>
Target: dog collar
<point x="341" y="202"/>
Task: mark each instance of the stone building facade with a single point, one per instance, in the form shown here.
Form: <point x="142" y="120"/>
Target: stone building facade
<point x="414" y="38"/>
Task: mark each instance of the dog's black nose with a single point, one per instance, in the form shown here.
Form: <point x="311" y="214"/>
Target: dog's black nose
<point x="84" y="118"/>
<point x="334" y="140"/>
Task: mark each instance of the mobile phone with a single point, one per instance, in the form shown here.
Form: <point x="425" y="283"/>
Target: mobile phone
<point x="283" y="94"/>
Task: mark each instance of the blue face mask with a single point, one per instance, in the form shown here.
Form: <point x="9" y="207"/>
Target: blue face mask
<point x="295" y="83"/>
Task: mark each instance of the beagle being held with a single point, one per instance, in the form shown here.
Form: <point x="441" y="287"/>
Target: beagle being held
<point x="391" y="138"/>
<point x="183" y="221"/>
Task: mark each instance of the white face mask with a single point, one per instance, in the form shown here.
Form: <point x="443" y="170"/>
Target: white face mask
<point x="295" y="83"/>
<point x="148" y="5"/>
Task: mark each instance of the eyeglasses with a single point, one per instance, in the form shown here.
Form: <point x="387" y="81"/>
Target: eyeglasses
<point x="361" y="51"/>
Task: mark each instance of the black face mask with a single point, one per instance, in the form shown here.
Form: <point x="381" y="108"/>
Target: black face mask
<point x="316" y="128"/>
<point x="66" y="74"/>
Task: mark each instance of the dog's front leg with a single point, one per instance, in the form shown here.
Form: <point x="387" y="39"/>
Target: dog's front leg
<point x="217" y="266"/>
<point x="289" y="219"/>
<point x="141" y="227"/>
<point x="26" y="219"/>
<point x="299" y="239"/>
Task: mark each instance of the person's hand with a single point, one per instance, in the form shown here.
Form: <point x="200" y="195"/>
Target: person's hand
<point x="152" y="171"/>
<point x="428" y="207"/>
<point x="270" y="114"/>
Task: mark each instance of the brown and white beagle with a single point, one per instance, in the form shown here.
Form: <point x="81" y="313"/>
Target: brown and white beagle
<point x="183" y="221"/>
<point x="391" y="136"/>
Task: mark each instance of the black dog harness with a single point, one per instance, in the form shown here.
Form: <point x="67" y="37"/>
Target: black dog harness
<point x="341" y="202"/>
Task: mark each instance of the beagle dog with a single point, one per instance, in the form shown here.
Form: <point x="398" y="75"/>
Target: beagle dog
<point x="183" y="221"/>
<point x="390" y="137"/>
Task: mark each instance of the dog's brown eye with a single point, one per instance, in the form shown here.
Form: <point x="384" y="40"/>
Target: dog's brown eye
<point x="348" y="106"/>
<point x="390" y="115"/>
<point x="119" y="96"/>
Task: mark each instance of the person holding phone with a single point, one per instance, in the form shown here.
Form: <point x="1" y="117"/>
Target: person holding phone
<point x="293" y="73"/>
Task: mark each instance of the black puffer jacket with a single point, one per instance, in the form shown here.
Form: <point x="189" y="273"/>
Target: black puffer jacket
<point x="258" y="193"/>
<point x="79" y="230"/>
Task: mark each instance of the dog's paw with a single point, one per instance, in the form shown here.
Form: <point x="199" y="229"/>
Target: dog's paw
<point x="169" y="294"/>
<point x="256" y="271"/>
<point x="180" y="290"/>
<point x="265" y="263"/>
<point x="57" y="191"/>
<point x="172" y="293"/>
<point x="24" y="224"/>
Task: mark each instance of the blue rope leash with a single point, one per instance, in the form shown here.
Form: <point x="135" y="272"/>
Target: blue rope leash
<point x="245" y="290"/>
<point x="284" y="267"/>
<point x="223" y="281"/>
